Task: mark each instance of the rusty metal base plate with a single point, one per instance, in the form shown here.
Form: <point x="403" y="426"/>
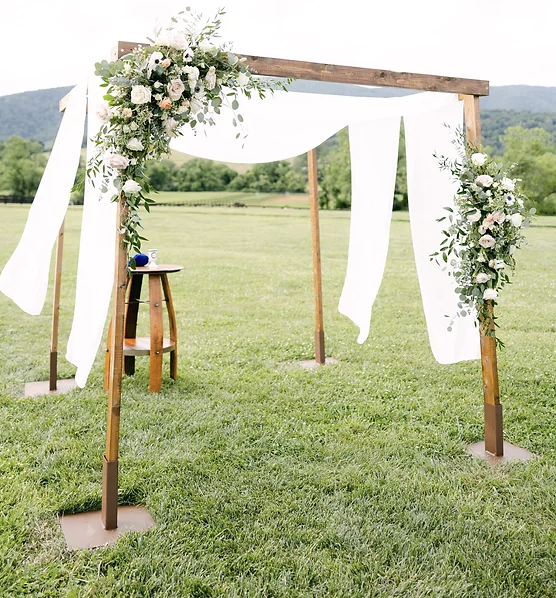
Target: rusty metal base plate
<point x="512" y="453"/>
<point x="311" y="364"/>
<point x="85" y="530"/>
<point x="38" y="389"/>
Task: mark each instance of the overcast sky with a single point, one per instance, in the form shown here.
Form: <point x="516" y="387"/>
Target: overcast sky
<point x="50" y="43"/>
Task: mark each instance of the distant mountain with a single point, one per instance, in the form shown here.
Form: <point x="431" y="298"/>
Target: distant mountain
<point x="32" y="114"/>
<point x="35" y="114"/>
<point x="520" y="98"/>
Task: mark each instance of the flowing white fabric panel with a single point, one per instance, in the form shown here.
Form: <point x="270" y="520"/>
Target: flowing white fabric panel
<point x="430" y="190"/>
<point x="374" y="157"/>
<point x="95" y="270"/>
<point x="287" y="124"/>
<point x="25" y="277"/>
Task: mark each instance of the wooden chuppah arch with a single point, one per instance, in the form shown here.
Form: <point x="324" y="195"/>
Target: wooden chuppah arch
<point x="469" y="90"/>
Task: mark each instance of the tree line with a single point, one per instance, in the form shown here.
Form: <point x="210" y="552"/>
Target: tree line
<point x="533" y="150"/>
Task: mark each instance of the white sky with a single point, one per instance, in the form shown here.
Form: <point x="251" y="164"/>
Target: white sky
<point x="50" y="43"/>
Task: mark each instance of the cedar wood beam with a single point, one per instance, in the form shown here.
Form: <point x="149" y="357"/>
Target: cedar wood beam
<point x="334" y="73"/>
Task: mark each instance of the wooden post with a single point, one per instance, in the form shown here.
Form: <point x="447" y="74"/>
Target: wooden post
<point x="320" y="355"/>
<point x="53" y="376"/>
<point x="109" y="514"/>
<point x="494" y="435"/>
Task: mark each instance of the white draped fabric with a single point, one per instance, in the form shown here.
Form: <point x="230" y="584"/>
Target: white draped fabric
<point x="429" y="191"/>
<point x="94" y="279"/>
<point x="25" y="277"/>
<point x="374" y="158"/>
<point x="281" y="126"/>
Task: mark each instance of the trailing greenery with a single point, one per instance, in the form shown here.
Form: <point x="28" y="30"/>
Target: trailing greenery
<point x="264" y="479"/>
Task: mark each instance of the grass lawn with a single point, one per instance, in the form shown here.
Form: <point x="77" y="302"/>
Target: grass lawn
<point x="267" y="480"/>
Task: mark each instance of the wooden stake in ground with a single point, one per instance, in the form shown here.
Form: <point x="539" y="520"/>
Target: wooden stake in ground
<point x="320" y="355"/>
<point x="53" y="376"/>
<point x="494" y="434"/>
<point x="109" y="514"/>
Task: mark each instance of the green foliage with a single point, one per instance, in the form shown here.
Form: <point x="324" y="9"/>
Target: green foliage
<point x="269" y="177"/>
<point x="494" y="124"/>
<point x="22" y="163"/>
<point x="534" y="153"/>
<point x="335" y="181"/>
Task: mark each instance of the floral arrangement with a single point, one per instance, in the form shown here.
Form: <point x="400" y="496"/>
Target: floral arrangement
<point x="485" y="229"/>
<point x="182" y="78"/>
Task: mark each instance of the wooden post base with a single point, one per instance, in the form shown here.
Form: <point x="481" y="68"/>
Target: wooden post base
<point x="109" y="513"/>
<point x="494" y="432"/>
<point x="510" y="453"/>
<point x="85" y="530"/>
<point x="311" y="364"/>
<point x="39" y="389"/>
<point x="320" y="354"/>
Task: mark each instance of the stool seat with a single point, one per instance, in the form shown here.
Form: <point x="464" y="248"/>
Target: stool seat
<point x="154" y="345"/>
<point x="142" y="345"/>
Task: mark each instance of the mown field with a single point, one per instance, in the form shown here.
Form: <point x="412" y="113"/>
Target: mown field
<point x="231" y="199"/>
<point x="268" y="480"/>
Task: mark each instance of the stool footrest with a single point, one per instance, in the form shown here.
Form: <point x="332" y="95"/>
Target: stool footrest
<point x="142" y="345"/>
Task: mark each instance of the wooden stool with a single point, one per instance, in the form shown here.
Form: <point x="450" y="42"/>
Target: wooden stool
<point x="154" y="345"/>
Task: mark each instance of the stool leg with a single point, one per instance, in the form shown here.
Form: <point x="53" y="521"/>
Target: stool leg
<point x="157" y="333"/>
<point x="172" y="325"/>
<point x="134" y="283"/>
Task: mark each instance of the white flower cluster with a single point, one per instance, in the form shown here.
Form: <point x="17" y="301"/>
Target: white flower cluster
<point x="484" y="231"/>
<point x="182" y="78"/>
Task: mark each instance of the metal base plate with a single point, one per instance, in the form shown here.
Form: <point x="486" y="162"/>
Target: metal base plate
<point x="85" y="530"/>
<point x="311" y="364"/>
<point x="511" y="453"/>
<point x="38" y="389"/>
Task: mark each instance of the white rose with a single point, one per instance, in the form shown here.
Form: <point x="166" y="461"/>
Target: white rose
<point x="162" y="39"/>
<point x="242" y="79"/>
<point x="498" y="217"/>
<point x="478" y="159"/>
<point x="104" y="113"/>
<point x="170" y="127"/>
<point x="210" y="78"/>
<point x="135" y="144"/>
<point x="474" y="216"/>
<point x="130" y="187"/>
<point x="175" y="89"/>
<point x="195" y="105"/>
<point x="127" y="112"/>
<point x="177" y="40"/>
<point x="487" y="241"/>
<point x="116" y="161"/>
<point x="508" y="184"/>
<point x="490" y="294"/>
<point x="484" y="180"/>
<point x="497" y="264"/>
<point x="482" y="277"/>
<point x="205" y="46"/>
<point x="517" y="220"/>
<point x="140" y="94"/>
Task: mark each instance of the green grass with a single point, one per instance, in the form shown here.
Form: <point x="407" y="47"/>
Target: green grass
<point x="267" y="480"/>
<point x="231" y="199"/>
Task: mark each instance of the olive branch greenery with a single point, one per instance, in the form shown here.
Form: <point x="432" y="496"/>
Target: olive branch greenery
<point x="485" y="227"/>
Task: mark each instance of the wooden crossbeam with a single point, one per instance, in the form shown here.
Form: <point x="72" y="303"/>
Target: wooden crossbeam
<point x="316" y="71"/>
